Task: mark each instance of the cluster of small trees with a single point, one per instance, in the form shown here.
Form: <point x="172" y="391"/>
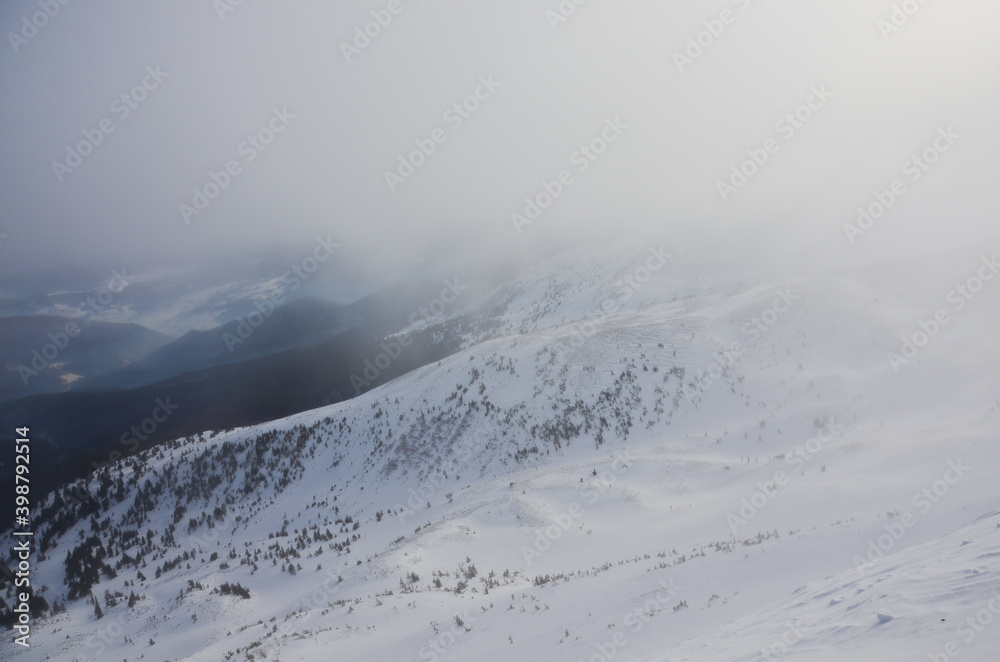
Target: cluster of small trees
<point x="234" y="589"/>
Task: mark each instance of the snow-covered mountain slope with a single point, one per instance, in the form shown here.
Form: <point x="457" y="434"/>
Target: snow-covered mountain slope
<point x="633" y="463"/>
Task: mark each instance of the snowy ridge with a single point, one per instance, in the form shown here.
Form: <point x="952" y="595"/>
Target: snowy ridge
<point x="674" y="476"/>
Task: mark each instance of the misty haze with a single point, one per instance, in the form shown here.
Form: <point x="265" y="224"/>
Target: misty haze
<point x="561" y="330"/>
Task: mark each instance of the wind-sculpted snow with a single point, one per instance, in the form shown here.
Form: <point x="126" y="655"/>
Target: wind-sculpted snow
<point x="691" y="472"/>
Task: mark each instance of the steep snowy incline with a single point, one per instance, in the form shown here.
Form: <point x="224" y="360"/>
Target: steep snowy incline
<point x="661" y="471"/>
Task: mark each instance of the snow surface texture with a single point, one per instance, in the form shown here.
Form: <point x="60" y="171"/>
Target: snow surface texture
<point x="661" y="472"/>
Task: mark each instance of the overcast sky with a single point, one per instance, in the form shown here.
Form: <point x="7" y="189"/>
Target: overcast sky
<point x="681" y="125"/>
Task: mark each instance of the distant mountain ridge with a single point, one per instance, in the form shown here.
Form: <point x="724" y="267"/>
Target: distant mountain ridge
<point x="44" y="354"/>
<point x="604" y="464"/>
